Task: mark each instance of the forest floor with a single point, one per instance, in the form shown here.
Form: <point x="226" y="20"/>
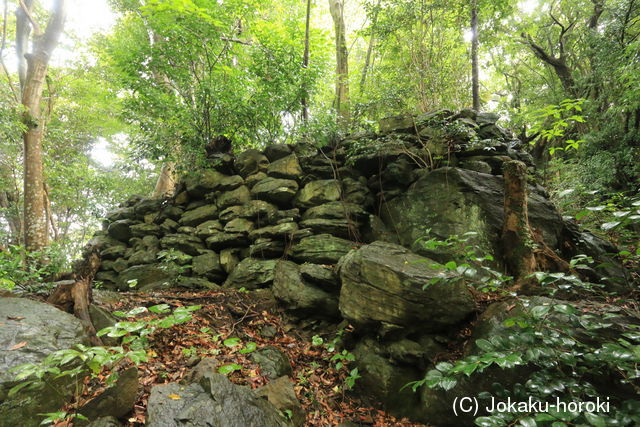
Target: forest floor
<point x="228" y="314"/>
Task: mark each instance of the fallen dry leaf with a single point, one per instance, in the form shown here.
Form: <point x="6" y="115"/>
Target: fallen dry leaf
<point x="19" y="345"/>
<point x="174" y="397"/>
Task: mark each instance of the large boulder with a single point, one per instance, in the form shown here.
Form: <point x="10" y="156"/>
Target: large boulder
<point x="275" y="190"/>
<point x="321" y="249"/>
<point x="199" y="215"/>
<point x="251" y="161"/>
<point x="214" y="401"/>
<point x="145" y="277"/>
<point x="451" y="201"/>
<point x="188" y="244"/>
<point x="210" y="180"/>
<point x="235" y="197"/>
<point x="286" y="167"/>
<point x="251" y="274"/>
<point x="208" y="265"/>
<point x="384" y="283"/>
<point x="299" y="296"/>
<point x="318" y="192"/>
<point x="30" y="331"/>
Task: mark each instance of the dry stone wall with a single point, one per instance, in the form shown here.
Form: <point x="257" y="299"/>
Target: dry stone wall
<point x="332" y="233"/>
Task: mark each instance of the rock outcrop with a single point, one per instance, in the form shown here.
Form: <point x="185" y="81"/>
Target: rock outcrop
<point x="30" y="331"/>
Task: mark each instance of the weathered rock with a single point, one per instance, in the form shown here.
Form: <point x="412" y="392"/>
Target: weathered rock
<point x="321" y="276"/>
<point x="260" y="212"/>
<point x="208" y="228"/>
<point x="382" y="380"/>
<point x="318" y="192"/>
<point x="300" y="297"/>
<point x="280" y="393"/>
<point x="251" y="274"/>
<point x="196" y="283"/>
<point x="208" y="265"/>
<point x="168" y="226"/>
<point x="142" y="230"/>
<point x="236" y="197"/>
<point x="44" y="329"/>
<point x="142" y="257"/>
<point x="476" y="165"/>
<point x="188" y="244"/>
<point x="120" y="213"/>
<point x="117" y="400"/>
<point x="335" y="210"/>
<point x="397" y="124"/>
<point x="251" y="161"/>
<point x="229" y="213"/>
<point x="321" y="249"/>
<point x="337" y="227"/>
<point x="229" y="259"/>
<point x="199" y="215"/>
<point x="275" y="190"/>
<point x="239" y="225"/>
<point x="113" y="252"/>
<point x="215" y="401"/>
<point x="286" y="168"/>
<point x="210" y="180"/>
<point x="104" y="422"/>
<point x="253" y="179"/>
<point x="276" y="151"/>
<point x="265" y="248"/>
<point x="226" y="240"/>
<point x="451" y="201"/>
<point x="145" y="277"/>
<point x="383" y="283"/>
<point x="279" y="231"/>
<point x="273" y="362"/>
<point x="120" y="230"/>
<point x="147" y="206"/>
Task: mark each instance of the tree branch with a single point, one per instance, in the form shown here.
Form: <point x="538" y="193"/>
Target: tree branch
<point x="3" y="44"/>
<point x="27" y="11"/>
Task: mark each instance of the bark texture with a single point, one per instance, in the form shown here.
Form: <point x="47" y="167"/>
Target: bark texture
<point x="342" y="62"/>
<point x="32" y="84"/>
<point x="517" y="238"/>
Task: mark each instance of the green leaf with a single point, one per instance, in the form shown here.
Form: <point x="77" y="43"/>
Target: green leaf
<point x="610" y="225"/>
<point x="232" y="342"/>
<point x="249" y="347"/>
<point x="483" y="344"/>
<point x="228" y="369"/>
<point x="451" y="265"/>
<point x="160" y="308"/>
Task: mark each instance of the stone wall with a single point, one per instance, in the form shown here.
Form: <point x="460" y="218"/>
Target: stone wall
<point x="332" y="232"/>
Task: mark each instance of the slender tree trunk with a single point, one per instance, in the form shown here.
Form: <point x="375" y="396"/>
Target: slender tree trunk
<point x="372" y="37"/>
<point x="35" y="221"/>
<point x="475" y="73"/>
<point x="517" y="239"/>
<point x="305" y="61"/>
<point x="166" y="184"/>
<point x="342" y="62"/>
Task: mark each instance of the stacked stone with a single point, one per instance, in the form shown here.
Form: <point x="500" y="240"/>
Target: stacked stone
<point x="335" y="234"/>
<point x="276" y="220"/>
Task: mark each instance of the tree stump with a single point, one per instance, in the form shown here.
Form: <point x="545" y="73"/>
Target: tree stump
<point x="75" y="297"/>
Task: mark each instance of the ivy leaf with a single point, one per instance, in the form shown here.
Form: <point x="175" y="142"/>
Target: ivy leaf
<point x="232" y="342"/>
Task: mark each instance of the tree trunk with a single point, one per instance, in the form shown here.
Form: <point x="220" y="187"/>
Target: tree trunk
<point x="475" y="73"/>
<point x="517" y="239"/>
<point x="342" y="63"/>
<point x="305" y="61"/>
<point x="367" y="59"/>
<point x="77" y="296"/>
<point x="35" y="223"/>
<point x="166" y="184"/>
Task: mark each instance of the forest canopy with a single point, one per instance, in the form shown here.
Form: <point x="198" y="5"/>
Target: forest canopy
<point x="146" y="92"/>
